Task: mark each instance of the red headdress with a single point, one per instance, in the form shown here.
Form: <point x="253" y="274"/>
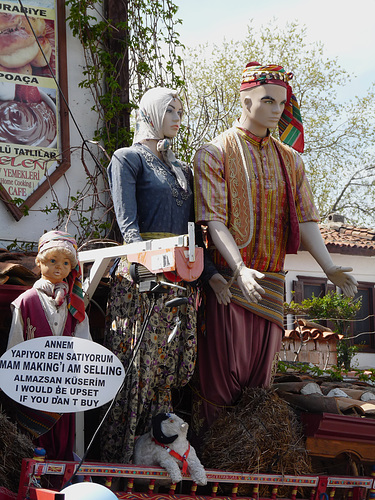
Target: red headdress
<point x="290" y="124"/>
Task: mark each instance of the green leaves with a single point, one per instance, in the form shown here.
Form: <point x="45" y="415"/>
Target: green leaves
<point x="333" y="307"/>
<point x="335" y="373"/>
<point x="124" y="57"/>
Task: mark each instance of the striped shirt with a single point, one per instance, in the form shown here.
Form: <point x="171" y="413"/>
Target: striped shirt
<point x="270" y="210"/>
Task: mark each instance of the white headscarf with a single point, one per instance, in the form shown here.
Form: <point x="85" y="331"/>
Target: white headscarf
<point x="149" y="125"/>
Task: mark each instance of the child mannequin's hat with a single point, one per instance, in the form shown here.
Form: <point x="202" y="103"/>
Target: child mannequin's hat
<point x="58" y="239"/>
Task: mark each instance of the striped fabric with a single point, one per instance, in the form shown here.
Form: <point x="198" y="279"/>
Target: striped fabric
<point x="290" y="126"/>
<point x="156" y="236"/>
<point x="214" y="201"/>
<point x="35" y="421"/>
<point x="76" y="305"/>
<point x="271" y="307"/>
<point x="53" y="239"/>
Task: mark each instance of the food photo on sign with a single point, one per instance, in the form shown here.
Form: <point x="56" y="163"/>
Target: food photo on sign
<point x="27" y="51"/>
<point x="27" y="45"/>
<point x="27" y="116"/>
<point x="28" y="136"/>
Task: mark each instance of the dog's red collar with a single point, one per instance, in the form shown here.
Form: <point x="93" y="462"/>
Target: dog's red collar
<point x="176" y="455"/>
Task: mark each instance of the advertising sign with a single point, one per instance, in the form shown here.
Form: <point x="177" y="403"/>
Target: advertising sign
<point x="29" y="97"/>
<point x="60" y="374"/>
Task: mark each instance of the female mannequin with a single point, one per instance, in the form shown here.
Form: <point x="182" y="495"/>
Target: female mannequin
<point x="152" y="198"/>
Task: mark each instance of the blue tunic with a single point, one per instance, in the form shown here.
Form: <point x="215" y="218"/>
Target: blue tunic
<point x="146" y="194"/>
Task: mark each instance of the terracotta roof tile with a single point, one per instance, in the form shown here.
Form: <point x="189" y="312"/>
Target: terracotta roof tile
<point x="341" y="237"/>
<point x="310" y="334"/>
<point x="310" y="330"/>
<point x="291" y="388"/>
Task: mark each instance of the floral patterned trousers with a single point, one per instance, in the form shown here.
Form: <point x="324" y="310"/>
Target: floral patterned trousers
<point x="159" y="366"/>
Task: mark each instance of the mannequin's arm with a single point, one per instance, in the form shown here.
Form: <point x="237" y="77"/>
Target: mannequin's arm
<point x="312" y="241"/>
<point x="227" y="247"/>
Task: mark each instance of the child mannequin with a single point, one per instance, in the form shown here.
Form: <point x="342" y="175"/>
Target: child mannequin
<point x="58" y="290"/>
<point x="54" y="306"/>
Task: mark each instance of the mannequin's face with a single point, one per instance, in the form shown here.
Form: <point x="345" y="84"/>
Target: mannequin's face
<point x="263" y="107"/>
<point x="55" y="267"/>
<point x="172" y="118"/>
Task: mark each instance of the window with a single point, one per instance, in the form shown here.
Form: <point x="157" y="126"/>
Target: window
<point x="365" y="319"/>
<point x="307" y="286"/>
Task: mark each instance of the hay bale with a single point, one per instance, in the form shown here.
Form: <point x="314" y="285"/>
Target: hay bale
<point x="14" y="446"/>
<point x="261" y="434"/>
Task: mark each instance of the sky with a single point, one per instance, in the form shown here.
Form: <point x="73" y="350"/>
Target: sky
<point x="345" y="27"/>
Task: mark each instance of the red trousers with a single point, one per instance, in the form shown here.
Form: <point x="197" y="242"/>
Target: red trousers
<point x="59" y="441"/>
<point x="237" y="351"/>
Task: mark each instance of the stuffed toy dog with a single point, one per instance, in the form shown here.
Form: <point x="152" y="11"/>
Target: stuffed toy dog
<point x="166" y="445"/>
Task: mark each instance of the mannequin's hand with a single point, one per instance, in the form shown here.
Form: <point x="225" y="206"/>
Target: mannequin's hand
<point x="250" y="287"/>
<point x="340" y="277"/>
<point x="218" y="284"/>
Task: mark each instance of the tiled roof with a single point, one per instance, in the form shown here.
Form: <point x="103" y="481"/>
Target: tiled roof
<point x="318" y="395"/>
<point x="341" y="237"/>
<point x="309" y="342"/>
<point x="307" y="330"/>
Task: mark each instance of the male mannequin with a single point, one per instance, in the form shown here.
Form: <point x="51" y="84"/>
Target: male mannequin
<point x="252" y="193"/>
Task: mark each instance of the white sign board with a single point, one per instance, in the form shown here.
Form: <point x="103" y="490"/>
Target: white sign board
<point x="60" y="374"/>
